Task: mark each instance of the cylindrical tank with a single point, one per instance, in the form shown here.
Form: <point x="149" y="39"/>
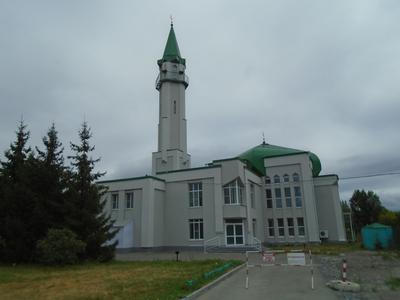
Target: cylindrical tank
<point x="377" y="235"/>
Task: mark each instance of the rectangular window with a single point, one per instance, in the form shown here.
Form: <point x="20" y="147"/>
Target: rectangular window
<point x="196" y="229"/>
<point x="300" y="226"/>
<point x="252" y="196"/>
<point x="288" y="197"/>
<point x="129" y="199"/>
<point x="290" y="224"/>
<point x="278" y="198"/>
<point x="233" y="193"/>
<point x="268" y="194"/>
<point x="297" y="195"/>
<point x="281" y="227"/>
<point x="114" y="201"/>
<point x="271" y="230"/>
<point x="195" y="194"/>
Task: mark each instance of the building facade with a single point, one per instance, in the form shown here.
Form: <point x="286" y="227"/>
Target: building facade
<point x="268" y="194"/>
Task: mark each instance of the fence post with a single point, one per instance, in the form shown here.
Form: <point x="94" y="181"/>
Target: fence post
<point x="312" y="271"/>
<point x="344" y="270"/>
<point x="247" y="270"/>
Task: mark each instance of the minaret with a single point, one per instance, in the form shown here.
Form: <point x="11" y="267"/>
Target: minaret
<point x="171" y="84"/>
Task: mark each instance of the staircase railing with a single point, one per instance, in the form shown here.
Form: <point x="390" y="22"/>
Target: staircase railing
<point x="214" y="242"/>
<point x="256" y="243"/>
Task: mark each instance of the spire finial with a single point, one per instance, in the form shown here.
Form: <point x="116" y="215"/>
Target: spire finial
<point x="263" y="136"/>
<point x="172" y="20"/>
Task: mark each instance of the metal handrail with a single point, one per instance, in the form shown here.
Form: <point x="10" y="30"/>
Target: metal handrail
<point x="216" y="239"/>
<point x="256" y="243"/>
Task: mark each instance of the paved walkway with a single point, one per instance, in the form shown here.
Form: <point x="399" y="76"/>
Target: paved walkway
<point x="184" y="255"/>
<point x="275" y="282"/>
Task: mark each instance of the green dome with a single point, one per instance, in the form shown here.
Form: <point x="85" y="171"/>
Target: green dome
<point x="254" y="157"/>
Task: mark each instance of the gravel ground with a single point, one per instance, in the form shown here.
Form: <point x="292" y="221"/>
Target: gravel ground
<point x="368" y="269"/>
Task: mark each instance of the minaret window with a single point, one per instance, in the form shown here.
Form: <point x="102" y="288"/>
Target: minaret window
<point x="174" y="107"/>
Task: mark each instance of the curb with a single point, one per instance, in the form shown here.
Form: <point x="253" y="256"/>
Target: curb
<point x="210" y="285"/>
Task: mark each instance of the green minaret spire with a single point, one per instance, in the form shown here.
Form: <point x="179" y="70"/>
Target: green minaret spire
<point x="171" y="51"/>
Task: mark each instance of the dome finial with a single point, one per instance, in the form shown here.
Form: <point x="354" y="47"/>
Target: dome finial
<point x="263" y="136"/>
<point x="172" y="21"/>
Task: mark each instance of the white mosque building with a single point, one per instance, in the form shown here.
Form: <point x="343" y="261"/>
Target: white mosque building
<point x="268" y="194"/>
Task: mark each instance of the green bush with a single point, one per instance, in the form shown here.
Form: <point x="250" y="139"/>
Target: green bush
<point x="59" y="247"/>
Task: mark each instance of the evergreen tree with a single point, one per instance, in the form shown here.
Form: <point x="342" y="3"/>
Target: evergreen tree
<point x="86" y="217"/>
<point x="50" y="184"/>
<point x="17" y="200"/>
<point x="365" y="208"/>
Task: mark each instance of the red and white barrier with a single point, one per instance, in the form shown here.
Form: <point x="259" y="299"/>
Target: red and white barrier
<point x="344" y="270"/>
<point x="269" y="258"/>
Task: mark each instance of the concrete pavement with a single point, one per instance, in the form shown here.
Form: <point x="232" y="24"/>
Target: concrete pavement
<point x="274" y="282"/>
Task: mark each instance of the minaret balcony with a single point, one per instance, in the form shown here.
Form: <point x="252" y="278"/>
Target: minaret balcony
<point x="172" y="77"/>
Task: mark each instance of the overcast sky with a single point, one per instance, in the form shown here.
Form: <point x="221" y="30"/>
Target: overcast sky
<point x="313" y="75"/>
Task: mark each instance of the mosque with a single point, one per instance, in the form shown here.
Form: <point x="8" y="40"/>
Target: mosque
<point x="267" y="195"/>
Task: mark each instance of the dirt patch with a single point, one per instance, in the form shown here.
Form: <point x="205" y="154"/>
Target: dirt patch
<point x="373" y="271"/>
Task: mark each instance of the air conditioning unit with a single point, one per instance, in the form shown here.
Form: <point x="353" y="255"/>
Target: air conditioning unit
<point x="323" y="234"/>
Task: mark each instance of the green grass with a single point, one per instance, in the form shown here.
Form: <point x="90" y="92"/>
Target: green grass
<point x="393" y="283"/>
<point x="115" y="280"/>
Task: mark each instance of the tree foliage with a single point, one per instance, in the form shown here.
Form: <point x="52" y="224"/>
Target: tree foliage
<point x="365" y="208"/>
<point x="39" y="192"/>
<point x="87" y="217"/>
<point x="59" y="247"/>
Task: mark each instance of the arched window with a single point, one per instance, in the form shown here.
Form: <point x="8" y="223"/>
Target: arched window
<point x="286" y="178"/>
<point x="296" y="177"/>
<point x="277" y="179"/>
<point x="267" y="180"/>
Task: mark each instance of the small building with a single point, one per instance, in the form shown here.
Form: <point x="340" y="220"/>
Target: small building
<point x="268" y="194"/>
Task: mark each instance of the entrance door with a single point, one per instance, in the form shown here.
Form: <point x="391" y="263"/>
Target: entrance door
<point x="234" y="234"/>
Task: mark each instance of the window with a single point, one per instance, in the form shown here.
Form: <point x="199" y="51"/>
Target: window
<point x="281" y="227"/>
<point x="196" y="229"/>
<point x="114" y="201"/>
<point x="129" y="199"/>
<point x="290" y="224"/>
<point x="288" y="197"/>
<point x="233" y="193"/>
<point x="278" y="198"/>
<point x="277" y="179"/>
<point x="252" y="196"/>
<point x="296" y="177"/>
<point x="297" y="195"/>
<point x="254" y="224"/>
<point x="268" y="195"/>
<point x="300" y="226"/>
<point x="195" y="194"/>
<point x="286" y="178"/>
<point x="267" y="180"/>
<point x="271" y="230"/>
<point x="174" y="107"/>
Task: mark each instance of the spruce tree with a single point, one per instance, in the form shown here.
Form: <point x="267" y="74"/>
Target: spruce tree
<point x="86" y="217"/>
<point x="50" y="184"/>
<point x="17" y="200"/>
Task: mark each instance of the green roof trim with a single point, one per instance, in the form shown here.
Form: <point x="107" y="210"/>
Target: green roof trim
<point x="131" y="178"/>
<point x="171" y="51"/>
<point x="191" y="169"/>
<point x="255" y="156"/>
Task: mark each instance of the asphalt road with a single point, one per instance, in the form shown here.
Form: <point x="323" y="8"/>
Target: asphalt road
<point x="273" y="282"/>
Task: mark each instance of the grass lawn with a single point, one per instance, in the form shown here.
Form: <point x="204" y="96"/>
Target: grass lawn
<point x="115" y="280"/>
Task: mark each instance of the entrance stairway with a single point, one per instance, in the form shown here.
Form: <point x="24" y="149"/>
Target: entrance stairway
<point x="217" y="245"/>
<point x="232" y="249"/>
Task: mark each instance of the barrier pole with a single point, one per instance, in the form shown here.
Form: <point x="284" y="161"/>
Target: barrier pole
<point x="344" y="270"/>
<point x="312" y="271"/>
<point x="247" y="270"/>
